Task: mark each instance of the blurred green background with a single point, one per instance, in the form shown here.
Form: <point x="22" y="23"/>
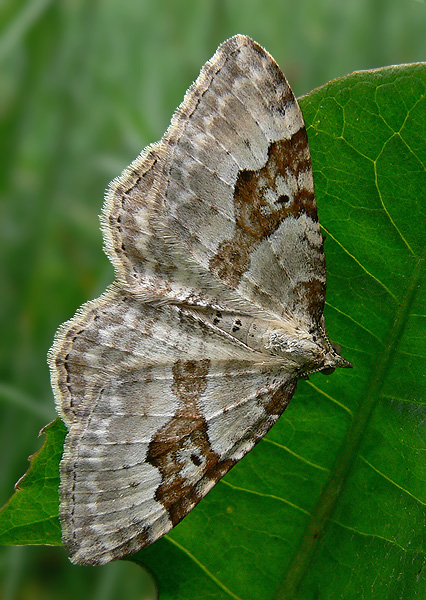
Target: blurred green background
<point x="84" y="86"/>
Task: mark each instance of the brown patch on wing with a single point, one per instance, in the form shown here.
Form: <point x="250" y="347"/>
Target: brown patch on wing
<point x="256" y="217"/>
<point x="280" y="398"/>
<point x="313" y="294"/>
<point x="187" y="429"/>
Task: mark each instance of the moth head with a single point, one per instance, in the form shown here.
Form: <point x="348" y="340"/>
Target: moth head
<point x="335" y="359"/>
<point x="308" y="349"/>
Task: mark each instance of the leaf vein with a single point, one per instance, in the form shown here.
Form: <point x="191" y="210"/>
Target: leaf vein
<point x="361" y="265"/>
<point x="302" y="458"/>
<point x="203" y="568"/>
<point x="348" y="410"/>
<point x="368" y="534"/>
<point x="355" y="321"/>
<point x="391" y="481"/>
<point x="263" y="495"/>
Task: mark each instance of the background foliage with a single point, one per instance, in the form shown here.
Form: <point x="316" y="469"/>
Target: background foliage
<point x="85" y="85"/>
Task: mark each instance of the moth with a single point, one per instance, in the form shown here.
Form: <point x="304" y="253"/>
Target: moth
<point x="192" y="354"/>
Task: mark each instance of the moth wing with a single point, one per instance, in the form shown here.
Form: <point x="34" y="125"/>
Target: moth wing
<point x="228" y="190"/>
<point x="158" y="408"/>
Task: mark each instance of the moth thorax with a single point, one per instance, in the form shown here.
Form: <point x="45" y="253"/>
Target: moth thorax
<point x="294" y="344"/>
<point x="270" y="336"/>
<point x="279" y="341"/>
<point x="246" y="329"/>
<point x="252" y="331"/>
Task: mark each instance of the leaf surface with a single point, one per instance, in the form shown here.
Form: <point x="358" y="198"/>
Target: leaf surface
<point x="331" y="504"/>
<point x="31" y="515"/>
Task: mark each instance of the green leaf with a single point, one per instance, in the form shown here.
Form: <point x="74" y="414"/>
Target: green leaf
<point x="31" y="515"/>
<point x="331" y="504"/>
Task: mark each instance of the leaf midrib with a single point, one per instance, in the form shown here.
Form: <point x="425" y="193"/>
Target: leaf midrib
<point x="336" y="482"/>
